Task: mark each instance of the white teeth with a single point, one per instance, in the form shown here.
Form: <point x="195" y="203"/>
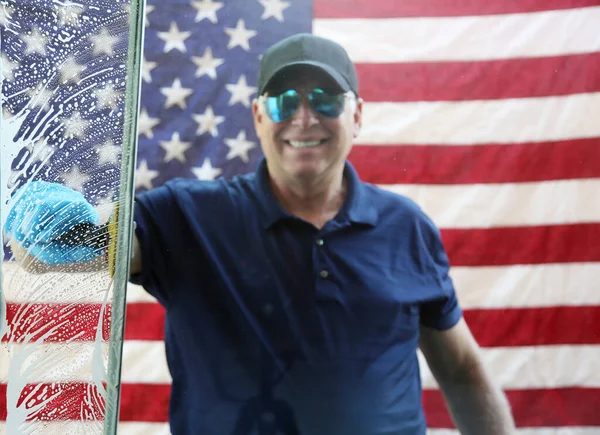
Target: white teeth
<point x="304" y="144"/>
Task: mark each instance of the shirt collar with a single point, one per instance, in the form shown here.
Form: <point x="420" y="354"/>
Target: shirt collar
<point x="357" y="208"/>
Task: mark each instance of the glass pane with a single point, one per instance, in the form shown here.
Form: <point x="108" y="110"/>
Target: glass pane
<point x="70" y="90"/>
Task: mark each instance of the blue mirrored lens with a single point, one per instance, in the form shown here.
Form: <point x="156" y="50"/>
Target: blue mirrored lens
<point x="326" y="104"/>
<point x="281" y="107"/>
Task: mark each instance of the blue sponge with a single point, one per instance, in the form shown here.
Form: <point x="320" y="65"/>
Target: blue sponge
<point x="41" y="212"/>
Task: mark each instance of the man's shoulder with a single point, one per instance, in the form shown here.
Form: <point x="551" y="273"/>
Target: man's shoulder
<point x="210" y="188"/>
<point x="217" y="204"/>
<point x="388" y="202"/>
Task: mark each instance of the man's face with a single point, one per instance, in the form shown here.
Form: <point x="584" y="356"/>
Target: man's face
<point x="286" y="144"/>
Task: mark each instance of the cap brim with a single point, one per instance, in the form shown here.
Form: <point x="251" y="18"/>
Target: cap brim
<point x="336" y="77"/>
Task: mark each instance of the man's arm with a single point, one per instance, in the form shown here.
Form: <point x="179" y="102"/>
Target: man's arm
<point x="476" y="403"/>
<point x="135" y="266"/>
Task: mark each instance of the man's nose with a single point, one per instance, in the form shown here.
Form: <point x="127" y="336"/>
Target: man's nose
<point x="305" y="116"/>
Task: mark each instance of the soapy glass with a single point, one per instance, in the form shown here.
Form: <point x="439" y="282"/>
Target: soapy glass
<point x="70" y="96"/>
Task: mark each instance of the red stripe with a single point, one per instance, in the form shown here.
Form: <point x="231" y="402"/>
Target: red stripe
<point x="523" y="245"/>
<point x="71" y="401"/>
<point x="491" y="163"/>
<point x="535" y="326"/>
<point x="79" y="322"/>
<point x="531" y="408"/>
<point x="56" y="322"/>
<point x="491" y="327"/>
<point x="145" y="321"/>
<point x="149" y="403"/>
<point x="56" y="402"/>
<point x="143" y="402"/>
<point x="437" y="8"/>
<point x="486" y="80"/>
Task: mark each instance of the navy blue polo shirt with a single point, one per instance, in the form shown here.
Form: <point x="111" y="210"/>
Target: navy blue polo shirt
<point x="276" y="327"/>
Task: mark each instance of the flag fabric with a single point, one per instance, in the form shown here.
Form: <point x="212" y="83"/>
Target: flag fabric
<point x="487" y="114"/>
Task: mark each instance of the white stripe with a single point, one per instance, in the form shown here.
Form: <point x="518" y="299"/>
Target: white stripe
<point x="466" y="38"/>
<point x="514" y="286"/>
<point x="525" y="286"/>
<point x="136" y="293"/>
<point x="20" y="286"/>
<point x="506" y="204"/>
<point x="507" y="121"/>
<point x="145" y="362"/>
<point x="73" y="428"/>
<point x="88" y="428"/>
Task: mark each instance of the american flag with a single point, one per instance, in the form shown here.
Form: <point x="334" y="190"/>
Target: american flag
<point x="486" y="113"/>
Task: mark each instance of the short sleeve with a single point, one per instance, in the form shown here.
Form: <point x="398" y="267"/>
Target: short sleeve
<point x="444" y="311"/>
<point x="155" y="215"/>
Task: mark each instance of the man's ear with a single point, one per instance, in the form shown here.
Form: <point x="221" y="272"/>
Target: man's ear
<point x="257" y="115"/>
<point x="256" y="112"/>
<point x="357" y="116"/>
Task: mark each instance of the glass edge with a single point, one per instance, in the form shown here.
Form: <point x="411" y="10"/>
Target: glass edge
<point x="125" y="214"/>
<point x="3" y="316"/>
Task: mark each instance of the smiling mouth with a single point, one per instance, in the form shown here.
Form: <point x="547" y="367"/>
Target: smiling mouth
<point x="305" y="143"/>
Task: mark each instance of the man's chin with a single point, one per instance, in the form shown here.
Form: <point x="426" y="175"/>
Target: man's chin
<point x="305" y="172"/>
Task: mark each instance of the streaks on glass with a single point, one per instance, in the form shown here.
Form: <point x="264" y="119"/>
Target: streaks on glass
<point x="64" y="76"/>
<point x="55" y="354"/>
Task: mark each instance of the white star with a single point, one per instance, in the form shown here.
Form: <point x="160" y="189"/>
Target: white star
<point x="75" y="126"/>
<point x="176" y="95"/>
<point x="241" y="92"/>
<point x="107" y="96"/>
<point x="144" y="176"/>
<point x="207" y="9"/>
<point x="239" y="35"/>
<point x="149" y="9"/>
<point x="36" y="42"/>
<point x="146" y="124"/>
<point x="40" y="96"/>
<point x="147" y="68"/>
<point x="69" y="14"/>
<point x="206" y="171"/>
<point x="75" y="179"/>
<point x="6" y="12"/>
<point x="208" y="122"/>
<point x="70" y="70"/>
<point x="239" y="147"/>
<point x="109" y="153"/>
<point x="8" y="67"/>
<point x="103" y="43"/>
<point x="175" y="148"/>
<point x="105" y="206"/>
<point x="274" y="8"/>
<point x="174" y="39"/>
<point x="207" y="64"/>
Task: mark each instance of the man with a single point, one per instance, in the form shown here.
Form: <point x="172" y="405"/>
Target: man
<point x="297" y="296"/>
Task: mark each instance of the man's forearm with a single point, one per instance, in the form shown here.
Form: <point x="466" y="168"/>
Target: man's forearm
<point x="477" y="405"/>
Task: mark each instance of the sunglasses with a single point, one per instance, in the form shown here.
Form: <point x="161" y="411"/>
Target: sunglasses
<point x="283" y="105"/>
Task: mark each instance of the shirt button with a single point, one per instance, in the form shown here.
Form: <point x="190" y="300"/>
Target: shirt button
<point x="320" y="242"/>
<point x="324" y="274"/>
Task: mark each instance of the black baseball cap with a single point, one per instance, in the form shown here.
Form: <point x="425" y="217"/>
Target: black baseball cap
<point x="308" y="50"/>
